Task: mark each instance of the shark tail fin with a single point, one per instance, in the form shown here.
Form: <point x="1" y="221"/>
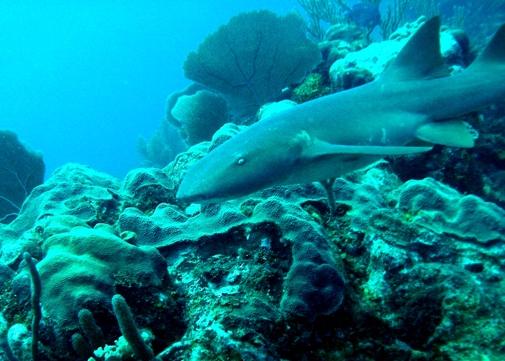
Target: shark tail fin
<point x="494" y="53"/>
<point x="420" y="58"/>
<point x="452" y="133"/>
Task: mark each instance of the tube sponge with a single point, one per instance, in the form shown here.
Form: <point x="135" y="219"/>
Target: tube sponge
<point x="129" y="329"/>
<point x="90" y="329"/>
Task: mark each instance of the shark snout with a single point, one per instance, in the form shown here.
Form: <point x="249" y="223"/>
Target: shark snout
<point x="203" y="187"/>
<point x="197" y="187"/>
<point x="189" y="192"/>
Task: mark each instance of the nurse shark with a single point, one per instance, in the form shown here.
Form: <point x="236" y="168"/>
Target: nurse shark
<point x="412" y="105"/>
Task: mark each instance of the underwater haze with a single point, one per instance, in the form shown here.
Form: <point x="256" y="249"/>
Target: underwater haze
<point x="82" y="80"/>
<point x="282" y="180"/>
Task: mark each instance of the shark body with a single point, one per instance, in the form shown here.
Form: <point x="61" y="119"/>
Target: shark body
<point x="411" y="106"/>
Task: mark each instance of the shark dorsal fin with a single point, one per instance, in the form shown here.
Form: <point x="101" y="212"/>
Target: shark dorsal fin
<point x="494" y="52"/>
<point x="420" y="58"/>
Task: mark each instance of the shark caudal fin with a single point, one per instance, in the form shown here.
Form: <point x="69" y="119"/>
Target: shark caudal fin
<point x="420" y="58"/>
<point x="493" y="54"/>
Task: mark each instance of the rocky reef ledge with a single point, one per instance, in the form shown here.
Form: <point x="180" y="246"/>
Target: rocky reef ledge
<point x="404" y="271"/>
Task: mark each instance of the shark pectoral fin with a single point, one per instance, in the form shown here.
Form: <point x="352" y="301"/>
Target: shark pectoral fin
<point x="454" y="133"/>
<point x="320" y="149"/>
<point x="382" y="150"/>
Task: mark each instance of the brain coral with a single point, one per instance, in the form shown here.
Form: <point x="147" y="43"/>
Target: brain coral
<point x="81" y="268"/>
<point x="252" y="58"/>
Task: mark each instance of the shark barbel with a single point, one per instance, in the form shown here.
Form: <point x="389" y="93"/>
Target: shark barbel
<point x="410" y="106"/>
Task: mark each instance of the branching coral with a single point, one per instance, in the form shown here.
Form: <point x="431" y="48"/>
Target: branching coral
<point x="322" y="11"/>
<point x="400" y="11"/>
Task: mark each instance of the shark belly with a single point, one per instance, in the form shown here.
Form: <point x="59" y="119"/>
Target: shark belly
<point x="322" y="169"/>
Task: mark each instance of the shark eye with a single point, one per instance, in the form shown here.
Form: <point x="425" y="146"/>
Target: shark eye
<point x="240" y="161"/>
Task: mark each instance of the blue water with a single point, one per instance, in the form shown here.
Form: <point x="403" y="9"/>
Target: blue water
<point x="81" y="80"/>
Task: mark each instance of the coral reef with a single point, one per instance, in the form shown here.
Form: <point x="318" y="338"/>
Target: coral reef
<point x="74" y="195"/>
<point x="408" y="266"/>
<point x="67" y="224"/>
<point x="145" y="188"/>
<point x="252" y="58"/>
<point x="456" y="274"/>
<point x="398" y="12"/>
<point x="77" y="274"/>
<point x="402" y="271"/>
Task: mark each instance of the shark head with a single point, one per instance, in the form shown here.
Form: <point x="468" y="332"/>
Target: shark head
<point x="244" y="164"/>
